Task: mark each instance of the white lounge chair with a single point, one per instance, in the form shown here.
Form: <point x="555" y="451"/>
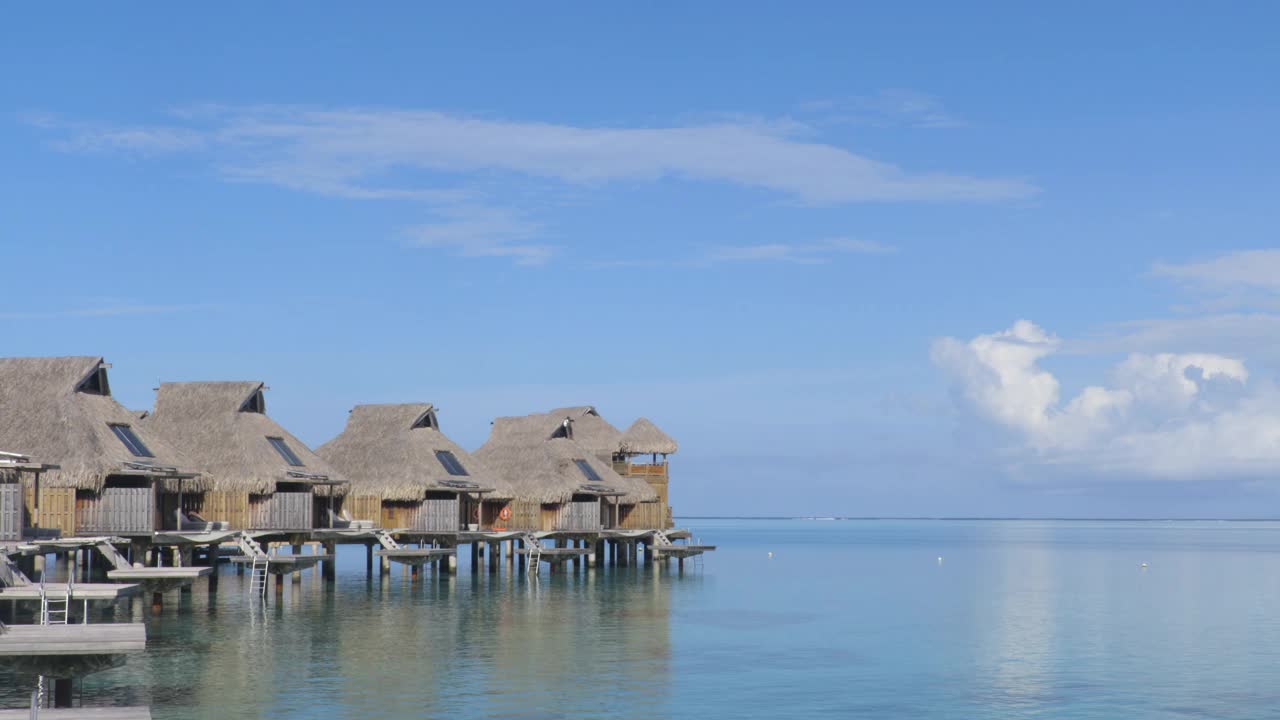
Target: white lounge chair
<point x="192" y="522"/>
<point x="344" y="522"/>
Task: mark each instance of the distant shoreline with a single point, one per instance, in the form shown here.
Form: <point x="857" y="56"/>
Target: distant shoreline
<point x="984" y="519"/>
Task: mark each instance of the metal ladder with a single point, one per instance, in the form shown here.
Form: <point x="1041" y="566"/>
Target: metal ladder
<point x="54" y="609"/>
<point x="386" y="540"/>
<point x="260" y="563"/>
<point x="534" y="547"/>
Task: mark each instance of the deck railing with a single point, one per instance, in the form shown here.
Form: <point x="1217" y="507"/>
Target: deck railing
<point x="10" y="511"/>
<point x="283" y="511"/>
<point x="123" y="510"/>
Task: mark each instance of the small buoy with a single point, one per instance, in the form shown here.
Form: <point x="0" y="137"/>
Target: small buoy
<point x="1144" y="564"/>
<point x="771" y="554"/>
<point x="939" y="559"/>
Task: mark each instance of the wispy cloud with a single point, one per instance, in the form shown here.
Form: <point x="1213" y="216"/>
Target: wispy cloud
<point x="101" y="311"/>
<point x="883" y="109"/>
<point x="484" y="232"/>
<point x="1249" y="269"/>
<point x="800" y="253"/>
<point x="346" y="152"/>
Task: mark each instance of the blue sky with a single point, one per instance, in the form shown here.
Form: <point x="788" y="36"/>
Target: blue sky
<point x="801" y="239"/>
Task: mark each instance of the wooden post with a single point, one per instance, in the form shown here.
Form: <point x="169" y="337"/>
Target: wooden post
<point x="522" y="561"/>
<point x="329" y="568"/>
<point x="297" y="574"/>
<point x="495" y="557"/>
<point x="511" y="554"/>
<point x="475" y="557"/>
<point x="368" y="560"/>
<point x="157" y="601"/>
<point x="61" y="692"/>
<point x="591" y="558"/>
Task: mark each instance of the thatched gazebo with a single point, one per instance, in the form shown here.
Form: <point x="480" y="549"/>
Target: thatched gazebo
<point x="423" y="481"/>
<point x="642" y="439"/>
<point x="557" y="483"/>
<point x="260" y="476"/>
<point x="113" y="477"/>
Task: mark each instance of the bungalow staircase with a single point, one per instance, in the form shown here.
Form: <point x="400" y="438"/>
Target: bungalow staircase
<point x="113" y="556"/>
<point x="10" y="575"/>
<point x="259" y="564"/>
<point x="385" y="539"/>
<point x="534" y="546"/>
<point x="54" y="606"/>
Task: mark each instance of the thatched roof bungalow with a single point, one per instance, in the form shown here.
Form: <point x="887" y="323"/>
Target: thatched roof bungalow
<point x="555" y="478"/>
<point x="423" y="481"/>
<point x="645" y="438"/>
<point x="113" y="476"/>
<point x="260" y="476"/>
<point x="641" y="439"/>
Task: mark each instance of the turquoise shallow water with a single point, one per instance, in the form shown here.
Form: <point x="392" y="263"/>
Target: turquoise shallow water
<point x="847" y="619"/>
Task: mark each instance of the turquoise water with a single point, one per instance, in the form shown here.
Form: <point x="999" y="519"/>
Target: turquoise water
<point x="847" y="619"/>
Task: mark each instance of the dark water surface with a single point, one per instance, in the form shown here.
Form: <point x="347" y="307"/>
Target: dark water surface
<point x="1019" y="619"/>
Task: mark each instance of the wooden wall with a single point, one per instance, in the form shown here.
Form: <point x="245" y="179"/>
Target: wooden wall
<point x="281" y="511"/>
<point x="362" y="507"/>
<point x="123" y="510"/>
<point x="57" y="508"/>
<point x="10" y="511"/>
<point x="578" y="515"/>
<point x="223" y="506"/>
<point x="643" y="516"/>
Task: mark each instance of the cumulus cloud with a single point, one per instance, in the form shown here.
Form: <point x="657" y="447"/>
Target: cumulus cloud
<point x="1164" y="415"/>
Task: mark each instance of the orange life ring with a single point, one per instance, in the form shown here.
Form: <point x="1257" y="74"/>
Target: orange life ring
<point x="505" y="513"/>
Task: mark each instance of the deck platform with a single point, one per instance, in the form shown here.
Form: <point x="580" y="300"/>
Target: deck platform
<point x="82" y="713"/>
<point x="681" y="551"/>
<point x="70" y="640"/>
<point x="415" y="556"/>
<point x="285" y="564"/>
<point x="79" y="591"/>
<point x="192" y="537"/>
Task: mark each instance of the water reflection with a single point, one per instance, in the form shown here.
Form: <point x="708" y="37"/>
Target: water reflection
<point x="481" y="646"/>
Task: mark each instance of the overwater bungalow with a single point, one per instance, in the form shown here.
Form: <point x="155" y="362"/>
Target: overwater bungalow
<point x="422" y="481"/>
<point x="642" y="453"/>
<point x="19" y="476"/>
<point x="114" y="477"/>
<point x="260" y="477"/>
<point x="557" y="483"/>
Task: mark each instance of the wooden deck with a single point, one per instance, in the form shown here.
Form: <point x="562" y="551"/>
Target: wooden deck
<point x="142" y="574"/>
<point x="79" y="591"/>
<point x="283" y="564"/>
<point x="82" y="713"/>
<point x="78" y="639"/>
<point x="415" y="556"/>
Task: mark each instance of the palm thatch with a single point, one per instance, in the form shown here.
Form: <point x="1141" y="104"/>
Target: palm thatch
<point x="60" y="410"/>
<point x="224" y="429"/>
<point x="645" y="438"/>
<point x="536" y="457"/>
<point x="390" y="451"/>
<point x="590" y="430"/>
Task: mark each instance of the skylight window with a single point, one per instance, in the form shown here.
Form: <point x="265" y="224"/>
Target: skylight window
<point x="285" y="451"/>
<point x="450" y="463"/>
<point x="130" y="440"/>
<point x="588" y="471"/>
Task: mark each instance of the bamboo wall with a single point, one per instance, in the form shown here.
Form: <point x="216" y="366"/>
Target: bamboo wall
<point x="224" y="506"/>
<point x="57" y="508"/>
<point x="643" y="516"/>
<point x="363" y="507"/>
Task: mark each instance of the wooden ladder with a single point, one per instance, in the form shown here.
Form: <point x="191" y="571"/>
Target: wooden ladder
<point x="385" y="539"/>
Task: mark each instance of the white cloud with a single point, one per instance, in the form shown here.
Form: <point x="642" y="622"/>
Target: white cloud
<point x="484" y="232"/>
<point x="1249" y="269"/>
<point x="1163" y="415"/>
<point x="345" y="152"/>
<point x="885" y="108"/>
<point x="800" y="253"/>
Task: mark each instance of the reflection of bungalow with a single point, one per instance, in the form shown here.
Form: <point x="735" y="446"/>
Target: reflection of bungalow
<point x="423" y="481"/>
<point x="556" y="483"/>
<point x="260" y="476"/>
<point x="641" y="439"/>
<point x="114" y="477"/>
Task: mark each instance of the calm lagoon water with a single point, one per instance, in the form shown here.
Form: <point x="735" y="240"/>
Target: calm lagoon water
<point x="1019" y="619"/>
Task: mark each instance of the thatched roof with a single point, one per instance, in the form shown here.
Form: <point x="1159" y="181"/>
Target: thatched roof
<point x="60" y="410"/>
<point x="645" y="438"/>
<point x="533" y="455"/>
<point x="224" y="429"/>
<point x="390" y="451"/>
<point x="590" y="430"/>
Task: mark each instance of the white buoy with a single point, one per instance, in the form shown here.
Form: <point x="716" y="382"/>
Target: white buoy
<point x="939" y="559"/>
<point x="770" y="554"/>
<point x="1144" y="564"/>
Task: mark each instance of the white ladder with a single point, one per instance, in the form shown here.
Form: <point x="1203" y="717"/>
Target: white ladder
<point x="534" y="547"/>
<point x="259" y="565"/>
<point x="386" y="540"/>
<point x="54" y="609"/>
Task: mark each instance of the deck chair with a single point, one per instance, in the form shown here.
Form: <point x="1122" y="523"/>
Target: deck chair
<point x="192" y="522"/>
<point x="344" y="522"/>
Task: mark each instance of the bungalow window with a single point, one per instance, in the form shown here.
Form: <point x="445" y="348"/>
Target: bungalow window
<point x="130" y="440"/>
<point x="285" y="451"/>
<point x="96" y="383"/>
<point x="450" y="463"/>
<point x="588" y="471"/>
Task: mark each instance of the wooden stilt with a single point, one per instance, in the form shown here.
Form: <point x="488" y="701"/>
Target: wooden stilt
<point x="61" y="693"/>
